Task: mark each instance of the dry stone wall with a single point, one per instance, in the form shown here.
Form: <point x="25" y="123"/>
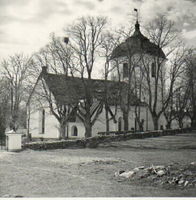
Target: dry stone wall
<point x="102" y="137"/>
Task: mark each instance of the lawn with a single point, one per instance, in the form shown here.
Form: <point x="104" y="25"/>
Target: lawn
<point x="90" y="172"/>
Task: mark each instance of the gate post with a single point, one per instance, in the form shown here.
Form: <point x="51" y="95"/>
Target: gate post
<point x="13" y="141"/>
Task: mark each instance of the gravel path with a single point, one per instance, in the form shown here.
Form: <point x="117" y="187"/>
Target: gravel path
<point x="90" y="172"/>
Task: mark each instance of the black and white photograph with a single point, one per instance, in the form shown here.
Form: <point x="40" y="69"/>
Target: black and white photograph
<point x="97" y="98"/>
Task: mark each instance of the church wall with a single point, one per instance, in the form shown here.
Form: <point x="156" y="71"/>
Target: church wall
<point x="36" y="105"/>
<point x="186" y="123"/>
<point x="100" y="125"/>
<point x="117" y="66"/>
<point x="80" y="129"/>
<point x="162" y="122"/>
<point x="148" y="59"/>
<point x="51" y="125"/>
<point x="145" y="115"/>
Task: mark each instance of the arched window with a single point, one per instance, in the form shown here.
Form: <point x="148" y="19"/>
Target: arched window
<point x="74" y="131"/>
<point x="153" y="70"/>
<point x="42" y="121"/>
<point x="120" y="124"/>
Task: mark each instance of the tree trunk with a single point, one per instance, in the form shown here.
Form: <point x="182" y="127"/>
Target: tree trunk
<point x="155" y="122"/>
<point x="13" y="123"/>
<point x="141" y="125"/>
<point x="180" y="122"/>
<point x="126" y="120"/>
<point x="168" y="126"/>
<point x="193" y="122"/>
<point x="107" y="120"/>
<point x="62" y="131"/>
<point x="88" y="130"/>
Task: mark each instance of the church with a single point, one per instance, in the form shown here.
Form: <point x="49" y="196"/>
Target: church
<point x="53" y="91"/>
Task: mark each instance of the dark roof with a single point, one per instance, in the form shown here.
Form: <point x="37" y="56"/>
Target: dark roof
<point x="68" y="89"/>
<point x="137" y="43"/>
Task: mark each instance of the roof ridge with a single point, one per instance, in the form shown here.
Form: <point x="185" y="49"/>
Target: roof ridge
<point x="73" y="77"/>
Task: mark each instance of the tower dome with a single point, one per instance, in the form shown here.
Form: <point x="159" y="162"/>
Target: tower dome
<point x="137" y="43"/>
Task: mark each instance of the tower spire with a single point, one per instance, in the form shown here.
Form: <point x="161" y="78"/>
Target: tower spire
<point x="135" y="9"/>
<point x="137" y="25"/>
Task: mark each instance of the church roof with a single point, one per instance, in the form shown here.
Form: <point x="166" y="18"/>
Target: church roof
<point x="68" y="89"/>
<point x="137" y="43"/>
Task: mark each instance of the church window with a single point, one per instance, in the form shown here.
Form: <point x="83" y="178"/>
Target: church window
<point x="153" y="70"/>
<point x="125" y="70"/>
<point x="42" y="121"/>
<point x="74" y="131"/>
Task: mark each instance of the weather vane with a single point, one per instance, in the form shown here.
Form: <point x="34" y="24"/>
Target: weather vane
<point x="136" y="13"/>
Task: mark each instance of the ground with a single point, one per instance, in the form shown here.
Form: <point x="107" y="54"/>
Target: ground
<point x="90" y="172"/>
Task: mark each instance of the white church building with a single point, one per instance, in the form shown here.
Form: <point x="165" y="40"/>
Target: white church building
<point x="52" y="89"/>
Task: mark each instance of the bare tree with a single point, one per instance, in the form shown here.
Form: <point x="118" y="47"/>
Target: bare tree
<point x="110" y="41"/>
<point x="129" y="95"/>
<point x="4" y="105"/>
<point x="138" y="92"/>
<point x="162" y="32"/>
<point x="16" y="70"/>
<point x="131" y="60"/>
<point x="169" y="113"/>
<point x="178" y="105"/>
<point x="182" y="97"/>
<point x="62" y="110"/>
<point x="191" y="82"/>
<point x="57" y="57"/>
<point x="85" y="37"/>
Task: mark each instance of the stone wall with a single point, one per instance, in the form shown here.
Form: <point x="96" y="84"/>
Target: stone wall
<point x="93" y="142"/>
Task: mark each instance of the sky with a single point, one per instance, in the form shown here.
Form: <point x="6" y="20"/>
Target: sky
<point x="25" y="25"/>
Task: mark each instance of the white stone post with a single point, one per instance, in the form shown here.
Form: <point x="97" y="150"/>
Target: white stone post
<point x="14" y="141"/>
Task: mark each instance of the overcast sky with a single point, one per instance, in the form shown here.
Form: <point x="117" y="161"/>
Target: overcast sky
<point x="25" y="25"/>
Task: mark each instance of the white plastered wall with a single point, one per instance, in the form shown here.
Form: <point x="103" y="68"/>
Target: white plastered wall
<point x="51" y="125"/>
<point x="36" y="104"/>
